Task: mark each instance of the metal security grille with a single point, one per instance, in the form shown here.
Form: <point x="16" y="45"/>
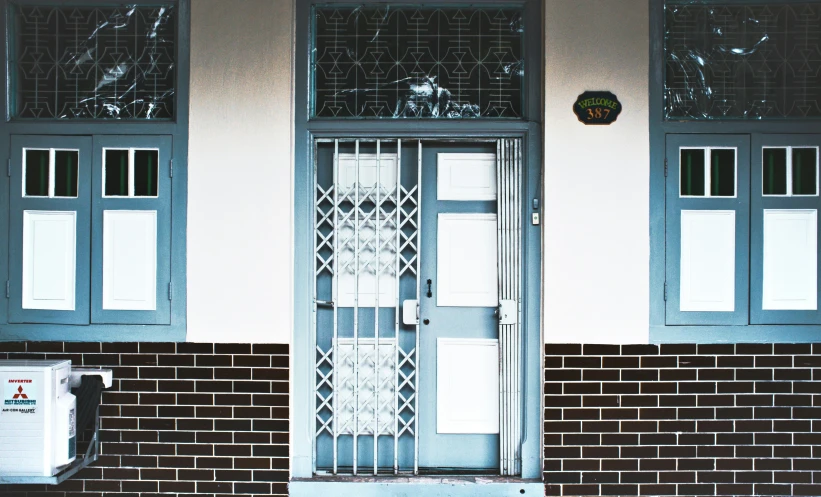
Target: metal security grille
<point x="105" y="62"/>
<point x="367" y="237"/>
<point x="386" y="61"/>
<point x="509" y="194"/>
<point x="751" y="61"/>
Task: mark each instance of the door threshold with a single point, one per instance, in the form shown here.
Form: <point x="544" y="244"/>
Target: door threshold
<point x="425" y="486"/>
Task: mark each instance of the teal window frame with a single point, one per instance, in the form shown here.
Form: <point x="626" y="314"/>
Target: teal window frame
<point x="660" y="266"/>
<point x="123" y="325"/>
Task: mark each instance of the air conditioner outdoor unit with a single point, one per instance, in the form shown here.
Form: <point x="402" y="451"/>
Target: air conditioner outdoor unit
<point x="37" y="417"/>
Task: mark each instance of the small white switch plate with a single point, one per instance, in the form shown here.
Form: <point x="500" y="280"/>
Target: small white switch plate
<point x="535" y="219"/>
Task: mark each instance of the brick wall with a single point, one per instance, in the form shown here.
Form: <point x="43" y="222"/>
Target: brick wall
<point x="722" y="419"/>
<point x="181" y="418"/>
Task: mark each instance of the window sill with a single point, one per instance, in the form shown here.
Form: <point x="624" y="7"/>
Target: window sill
<point x="736" y="334"/>
<point x="92" y="333"/>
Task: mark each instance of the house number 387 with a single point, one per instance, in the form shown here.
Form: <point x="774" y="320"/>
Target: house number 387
<point x="597" y="113"/>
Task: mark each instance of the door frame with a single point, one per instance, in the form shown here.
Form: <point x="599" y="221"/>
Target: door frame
<point x="304" y="340"/>
<point x="307" y="130"/>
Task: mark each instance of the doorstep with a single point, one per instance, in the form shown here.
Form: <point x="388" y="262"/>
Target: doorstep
<point x="411" y="486"/>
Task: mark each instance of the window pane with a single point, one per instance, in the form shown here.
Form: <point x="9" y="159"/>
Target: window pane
<point x="774" y="173"/>
<point x="37" y="173"/>
<point x="804" y="167"/>
<point x="76" y="62"/>
<point x="692" y="172"/>
<point x="145" y="173"/>
<point x="722" y="173"/>
<point x="406" y="62"/>
<point x="65" y="173"/>
<point x="732" y="61"/>
<point x="116" y="173"/>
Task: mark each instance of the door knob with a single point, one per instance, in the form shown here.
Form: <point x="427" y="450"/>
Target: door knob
<point x="429" y="294"/>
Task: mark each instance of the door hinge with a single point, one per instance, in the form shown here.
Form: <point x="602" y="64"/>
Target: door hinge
<point x="665" y="291"/>
<point x="665" y="167"/>
<point x="170" y="291"/>
<point x="171" y="168"/>
<point x="8" y="289"/>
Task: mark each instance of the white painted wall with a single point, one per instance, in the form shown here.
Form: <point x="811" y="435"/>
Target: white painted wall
<point x="596" y="228"/>
<point x="240" y="162"/>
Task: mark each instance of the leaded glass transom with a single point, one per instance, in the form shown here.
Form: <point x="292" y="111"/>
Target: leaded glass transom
<point x="757" y="61"/>
<point x="93" y="63"/>
<point x="415" y="62"/>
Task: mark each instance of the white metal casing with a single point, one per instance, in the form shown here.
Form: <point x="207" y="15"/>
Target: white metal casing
<point x="37" y="417"/>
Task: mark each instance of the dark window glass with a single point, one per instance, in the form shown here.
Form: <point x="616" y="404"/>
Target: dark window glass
<point x="116" y="173"/>
<point x="692" y="172"/>
<point x="804" y="167"/>
<point x="93" y="63"/>
<point x="406" y="62"/>
<point x="756" y="61"/>
<point x="145" y="173"/>
<point x="65" y="173"/>
<point x="774" y="173"/>
<point x="37" y="173"/>
<point x="722" y="173"/>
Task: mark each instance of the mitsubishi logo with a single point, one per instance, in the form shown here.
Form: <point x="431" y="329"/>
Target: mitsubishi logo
<point x="20" y="393"/>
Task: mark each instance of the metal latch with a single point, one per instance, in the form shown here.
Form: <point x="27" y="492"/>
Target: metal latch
<point x="507" y="312"/>
<point x="410" y="312"/>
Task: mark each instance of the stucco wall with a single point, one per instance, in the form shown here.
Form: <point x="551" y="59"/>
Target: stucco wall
<point x="239" y="189"/>
<point x="596" y="177"/>
<point x="240" y="195"/>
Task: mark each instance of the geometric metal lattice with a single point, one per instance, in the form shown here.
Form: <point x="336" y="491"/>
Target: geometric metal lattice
<point x="412" y="62"/>
<point x="366" y="387"/>
<point x="366" y="236"/>
<point x="93" y="63"/>
<point x="754" y="61"/>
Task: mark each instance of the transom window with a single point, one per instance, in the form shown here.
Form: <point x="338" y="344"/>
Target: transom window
<point x="417" y="62"/>
<point x="755" y="61"/>
<point x="76" y="62"/>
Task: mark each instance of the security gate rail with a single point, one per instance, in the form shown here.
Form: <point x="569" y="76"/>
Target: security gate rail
<point x="509" y="197"/>
<point x="367" y="234"/>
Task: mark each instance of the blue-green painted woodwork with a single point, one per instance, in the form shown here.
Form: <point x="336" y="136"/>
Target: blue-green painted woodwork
<point x="81" y="205"/>
<point x="306" y="131"/>
<point x="437" y="450"/>
<point x="739" y="204"/>
<point x="758" y="204"/>
<point x="660" y="332"/>
<point x="162" y="204"/>
<point x="178" y="129"/>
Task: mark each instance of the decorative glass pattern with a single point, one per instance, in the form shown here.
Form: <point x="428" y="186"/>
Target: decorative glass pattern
<point x="742" y="61"/>
<point x="93" y="63"/>
<point x="407" y="62"/>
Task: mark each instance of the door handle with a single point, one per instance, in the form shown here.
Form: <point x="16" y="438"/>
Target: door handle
<point x="430" y="293"/>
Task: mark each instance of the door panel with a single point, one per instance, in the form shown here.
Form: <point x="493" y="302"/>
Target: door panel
<point x="131" y="210"/>
<point x="466" y="256"/>
<point x="707" y="229"/>
<point x="50" y="229"/>
<point x="784" y="283"/>
<point x="458" y="252"/>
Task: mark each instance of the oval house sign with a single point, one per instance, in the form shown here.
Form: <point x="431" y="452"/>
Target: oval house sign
<point x="597" y="107"/>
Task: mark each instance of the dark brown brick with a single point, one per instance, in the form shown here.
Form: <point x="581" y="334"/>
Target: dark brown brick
<point x="678" y="348"/>
<point x="559" y="349"/>
<point x="596" y="349"/>
<point x="577" y="362"/>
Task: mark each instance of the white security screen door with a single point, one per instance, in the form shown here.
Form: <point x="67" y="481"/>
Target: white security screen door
<point x="417" y="257"/>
